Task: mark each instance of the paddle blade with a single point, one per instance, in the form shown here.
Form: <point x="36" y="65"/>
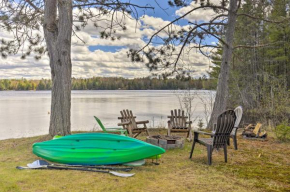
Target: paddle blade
<point x="37" y="164"/>
<point x="20" y="168"/>
<point x="122" y="174"/>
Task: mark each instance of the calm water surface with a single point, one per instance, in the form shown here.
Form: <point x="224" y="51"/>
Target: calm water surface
<point x="26" y="113"/>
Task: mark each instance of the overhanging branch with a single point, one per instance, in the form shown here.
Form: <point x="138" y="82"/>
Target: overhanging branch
<point x="34" y="6"/>
<point x="181" y="17"/>
<point x="220" y="39"/>
<point x="110" y="4"/>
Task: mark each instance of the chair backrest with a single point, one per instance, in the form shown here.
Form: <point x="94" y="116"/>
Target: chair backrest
<point x="127" y="116"/>
<point x="100" y="123"/>
<point x="239" y="114"/>
<point x="257" y="128"/>
<point x="177" y="118"/>
<point x="225" y="125"/>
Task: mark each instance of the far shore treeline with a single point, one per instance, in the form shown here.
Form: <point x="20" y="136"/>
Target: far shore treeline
<point x="112" y="83"/>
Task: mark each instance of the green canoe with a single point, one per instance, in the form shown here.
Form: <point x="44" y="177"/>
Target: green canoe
<point x="95" y="149"/>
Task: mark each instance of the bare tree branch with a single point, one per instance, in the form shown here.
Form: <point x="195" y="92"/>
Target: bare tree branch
<point x="34" y="7"/>
<point x="183" y="45"/>
<point x="220" y="39"/>
<point x="109" y="4"/>
<point x="181" y="17"/>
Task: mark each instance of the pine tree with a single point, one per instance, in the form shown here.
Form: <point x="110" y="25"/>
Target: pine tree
<point x="279" y="54"/>
<point x="216" y="60"/>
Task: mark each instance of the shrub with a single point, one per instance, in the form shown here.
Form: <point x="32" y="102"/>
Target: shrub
<point x="283" y="132"/>
<point x="200" y="124"/>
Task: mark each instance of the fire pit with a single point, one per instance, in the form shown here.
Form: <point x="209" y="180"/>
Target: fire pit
<point x="166" y="142"/>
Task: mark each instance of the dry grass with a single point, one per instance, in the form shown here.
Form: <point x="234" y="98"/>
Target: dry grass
<point x="256" y="166"/>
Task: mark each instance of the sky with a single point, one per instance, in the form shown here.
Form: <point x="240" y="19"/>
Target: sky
<point x="94" y="56"/>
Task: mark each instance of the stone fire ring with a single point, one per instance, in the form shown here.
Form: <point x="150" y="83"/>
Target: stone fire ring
<point x="166" y="142"/>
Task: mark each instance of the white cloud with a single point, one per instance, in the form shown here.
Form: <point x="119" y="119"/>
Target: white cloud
<point x="119" y="19"/>
<point x="205" y="14"/>
<point x="100" y="63"/>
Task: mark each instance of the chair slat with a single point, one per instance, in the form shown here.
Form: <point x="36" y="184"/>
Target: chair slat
<point x="175" y="118"/>
<point x="172" y="119"/>
<point x="179" y="119"/>
<point x="183" y="119"/>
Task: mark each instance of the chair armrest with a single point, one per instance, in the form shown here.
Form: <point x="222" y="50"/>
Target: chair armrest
<point x="123" y="118"/>
<point x="124" y="123"/>
<point x="117" y="128"/>
<point x="214" y="127"/>
<point x="234" y="131"/>
<point x="142" y="122"/>
<point x="203" y="133"/>
<point x="188" y="122"/>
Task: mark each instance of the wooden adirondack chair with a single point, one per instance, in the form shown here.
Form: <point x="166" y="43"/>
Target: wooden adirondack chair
<point x="219" y="138"/>
<point x="131" y="125"/>
<point x="178" y="123"/>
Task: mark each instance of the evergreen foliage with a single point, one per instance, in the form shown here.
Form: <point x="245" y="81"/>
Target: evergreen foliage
<point x="259" y="79"/>
<point x="216" y="60"/>
<point x="283" y="131"/>
<point x="112" y="83"/>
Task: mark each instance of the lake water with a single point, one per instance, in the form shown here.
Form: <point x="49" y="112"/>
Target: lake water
<point x="26" y="113"/>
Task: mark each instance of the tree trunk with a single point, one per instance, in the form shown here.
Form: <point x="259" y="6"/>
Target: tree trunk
<point x="57" y="31"/>
<point x="222" y="92"/>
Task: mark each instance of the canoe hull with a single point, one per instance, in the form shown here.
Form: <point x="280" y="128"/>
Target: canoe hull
<point x="95" y="149"/>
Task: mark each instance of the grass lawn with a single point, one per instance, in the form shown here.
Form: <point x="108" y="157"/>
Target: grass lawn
<point x="256" y="166"/>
